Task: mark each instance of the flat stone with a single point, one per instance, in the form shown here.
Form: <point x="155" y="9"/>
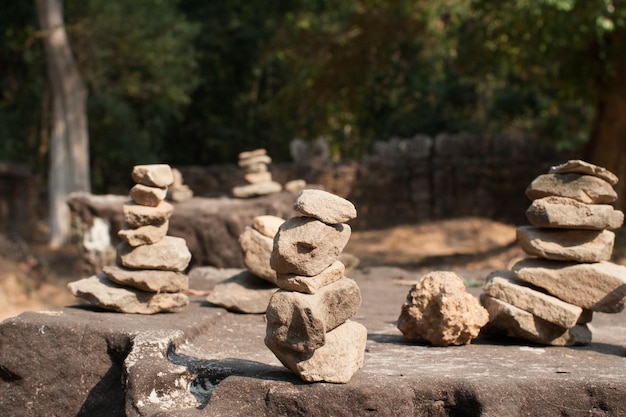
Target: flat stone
<point x="100" y="291"/>
<point x="567" y="244"/>
<point x="599" y="286"/>
<point x="148" y="280"/>
<point x="561" y="212"/>
<point x="147" y="196"/>
<point x="310" y="285"/>
<point x="300" y="322"/>
<point x="257" y="250"/>
<point x="136" y="215"/>
<point x="258" y="177"/>
<point x="306" y="246"/>
<point x="243" y="293"/>
<point x="584" y="188"/>
<point x="253" y="190"/>
<point x="439" y="310"/>
<point x="154" y="175"/>
<point x="295" y="186"/>
<point x="581" y="167"/>
<point x="168" y="254"/>
<point x="253" y="160"/>
<point x="505" y="286"/>
<point x="267" y="225"/>
<point x="324" y="206"/>
<point x="514" y="322"/>
<point x="145" y="235"/>
<point x="337" y="361"/>
<point x="252" y="153"/>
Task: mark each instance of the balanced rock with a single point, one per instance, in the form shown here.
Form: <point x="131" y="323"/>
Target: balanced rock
<point x="257" y="250"/>
<point x="169" y="254"/>
<point x="324" y="206"/>
<point x="310" y="285"/>
<point x="154" y="175"/>
<point x="147" y="196"/>
<point x="561" y="212"/>
<point x="584" y="188"/>
<point x="582" y="167"/>
<point x="136" y="215"/>
<point x="439" y="310"/>
<point x="249" y="161"/>
<point x="267" y="225"/>
<point x="148" y="280"/>
<point x="242" y="293"/>
<point x="144" y="235"/>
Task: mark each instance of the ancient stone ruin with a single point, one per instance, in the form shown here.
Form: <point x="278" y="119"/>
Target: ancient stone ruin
<point x="550" y="297"/>
<point x="256" y="174"/>
<point x="149" y="277"/>
<point x="308" y="326"/>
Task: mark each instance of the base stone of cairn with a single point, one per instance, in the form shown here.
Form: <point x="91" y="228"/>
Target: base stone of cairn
<point x="550" y="297"/>
<point x="256" y="174"/>
<point x="308" y="326"/>
<point x="149" y="276"/>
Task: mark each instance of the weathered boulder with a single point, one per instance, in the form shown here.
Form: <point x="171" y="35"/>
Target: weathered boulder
<point x="561" y="212"/>
<point x="587" y="189"/>
<point x="324" y="206"/>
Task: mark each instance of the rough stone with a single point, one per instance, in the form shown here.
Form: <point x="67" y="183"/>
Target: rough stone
<point x="515" y="322"/>
<point x="98" y="290"/>
<point x="136" y="215"/>
<point x="148" y="280"/>
<point x="439" y="310"/>
<point x="584" y="188"/>
<point x="258" y="177"/>
<point x="599" y="286"/>
<point x="306" y="246"/>
<point x="257" y="250"/>
<point x="155" y="175"/>
<point x="243" y="293"/>
<point x="253" y="190"/>
<point x="582" y="167"/>
<point x="310" y="285"/>
<point x="299" y="322"/>
<point x="324" y="206"/>
<point x="169" y="254"/>
<point x="561" y="212"/>
<point x="567" y="244"/>
<point x="337" y="361"/>
<point x="505" y="286"/>
<point x="145" y="235"/>
<point x="267" y="225"/>
<point x="146" y="195"/>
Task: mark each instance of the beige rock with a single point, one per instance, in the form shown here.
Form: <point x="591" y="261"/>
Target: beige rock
<point x="310" y="285"/>
<point x="324" y="206"/>
<point x="168" y="254"/>
<point x="306" y="246"/>
<point x="505" y="286"/>
<point x="253" y="160"/>
<point x="337" y="361"/>
<point x="147" y="196"/>
<point x="253" y="153"/>
<point x="584" y="188"/>
<point x="177" y="178"/>
<point x="561" y="212"/>
<point x="300" y="322"/>
<point x="180" y="193"/>
<point x="136" y="215"/>
<point x="148" y="280"/>
<point x="100" y="291"/>
<point x="258" y="177"/>
<point x="256" y="168"/>
<point x="438" y="309"/>
<point x="511" y="321"/>
<point x="257" y="250"/>
<point x="267" y="225"/>
<point x="155" y="175"/>
<point x="253" y="190"/>
<point x="145" y="235"/>
<point x="582" y="167"/>
<point x="243" y="293"/>
<point x="295" y="186"/>
<point x="599" y="286"/>
<point x="567" y="244"/>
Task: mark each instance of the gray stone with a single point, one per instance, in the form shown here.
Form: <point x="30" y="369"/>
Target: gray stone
<point x="253" y="190"/>
<point x="582" y="167"/>
<point x="599" y="286"/>
<point x="168" y="254"/>
<point x="306" y="246"/>
<point x="505" y="286"/>
<point x="242" y="293"/>
<point x="146" y="195"/>
<point x="335" y="362"/>
<point x="567" y="244"/>
<point x="310" y="285"/>
<point x="100" y="291"/>
<point x="561" y="212"/>
<point x="154" y="175"/>
<point x="145" y="235"/>
<point x="148" y="280"/>
<point x="257" y="250"/>
<point x="267" y="225"/>
<point x="136" y="215"/>
<point x="515" y="322"/>
<point x="299" y="322"/>
<point x="584" y="188"/>
<point x="324" y="206"/>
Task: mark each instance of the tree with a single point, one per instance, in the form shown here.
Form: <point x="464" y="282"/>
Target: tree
<point x="69" y="139"/>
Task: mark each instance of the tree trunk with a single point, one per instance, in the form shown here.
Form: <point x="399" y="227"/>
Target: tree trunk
<point x="69" y="140"/>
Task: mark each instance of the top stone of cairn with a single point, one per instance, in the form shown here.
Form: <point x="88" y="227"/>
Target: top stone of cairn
<point x="581" y="167"/>
<point x="324" y="206"/>
<point x="155" y="175"/>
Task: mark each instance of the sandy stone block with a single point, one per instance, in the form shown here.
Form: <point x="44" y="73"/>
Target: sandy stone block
<point x="136" y="215"/>
<point x="267" y="225"/>
<point x="148" y="280"/>
<point x="168" y="254"/>
<point x="257" y="250"/>
<point x="584" y="188"/>
<point x="144" y="235"/>
<point x="582" y="167"/>
<point x="147" y="196"/>
<point x="243" y="293"/>
<point x="324" y="206"/>
<point x="310" y="285"/>
<point x="561" y="212"/>
<point x="154" y="175"/>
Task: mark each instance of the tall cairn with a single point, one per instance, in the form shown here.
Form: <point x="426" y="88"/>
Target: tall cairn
<point x="308" y="326"/>
<point x="550" y="297"/>
<point x="255" y="166"/>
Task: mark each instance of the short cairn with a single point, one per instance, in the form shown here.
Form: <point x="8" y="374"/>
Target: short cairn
<point x="149" y="277"/>
<point x="308" y="326"/>
<point x="255" y="165"/>
<point x="550" y="297"/>
<point x="178" y="191"/>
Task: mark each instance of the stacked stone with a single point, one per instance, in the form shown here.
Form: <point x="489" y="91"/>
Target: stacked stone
<point x="550" y="297"/>
<point x="308" y="326"/>
<point x="255" y="165"/>
<point x="149" y="277"/>
<point x="178" y="191"/>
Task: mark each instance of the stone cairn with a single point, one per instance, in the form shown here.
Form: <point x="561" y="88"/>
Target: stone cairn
<point x="178" y="191"/>
<point x="308" y="326"/>
<point x="549" y="298"/>
<point x="149" y="277"/>
<point x="257" y="175"/>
